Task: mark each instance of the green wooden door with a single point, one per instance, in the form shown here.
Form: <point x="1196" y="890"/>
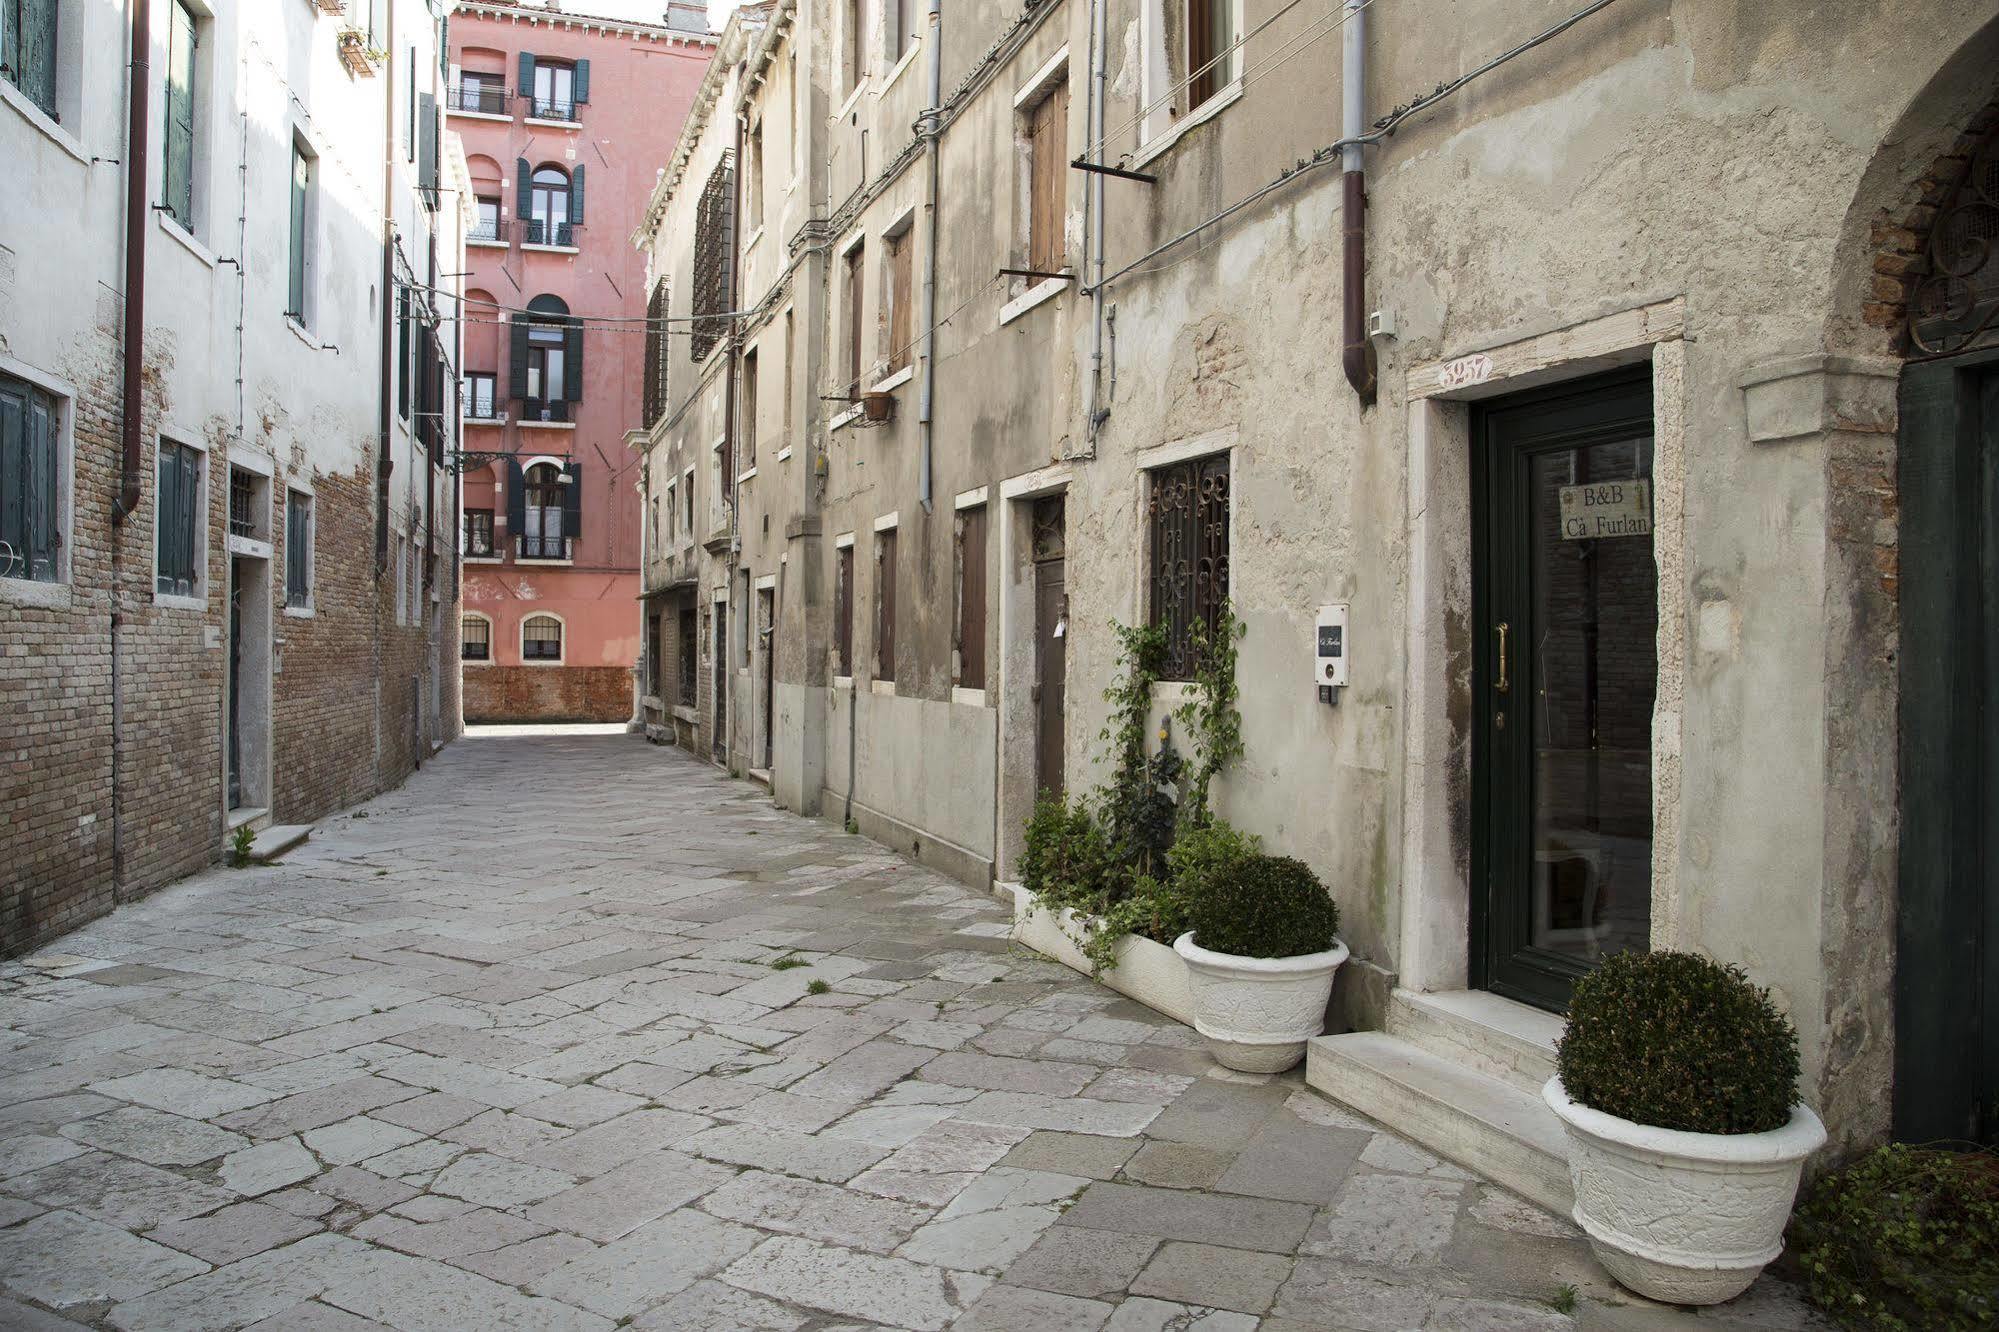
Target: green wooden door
<point x="1566" y="602"/>
<point x="1947" y="919"/>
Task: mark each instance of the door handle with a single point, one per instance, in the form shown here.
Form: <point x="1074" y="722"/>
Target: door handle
<point x="1500" y="682"/>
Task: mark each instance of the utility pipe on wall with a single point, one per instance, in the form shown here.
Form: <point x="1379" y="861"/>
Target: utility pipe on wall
<point x="138" y="101"/>
<point x="1356" y="355"/>
<point x="932" y="131"/>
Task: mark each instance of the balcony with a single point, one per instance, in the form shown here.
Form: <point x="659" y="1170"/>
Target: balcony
<point x="541" y="108"/>
<point x="530" y="547"/>
<point x="540" y="231"/>
<point x="485" y="229"/>
<point x="536" y="412"/>
<point x="484" y="99"/>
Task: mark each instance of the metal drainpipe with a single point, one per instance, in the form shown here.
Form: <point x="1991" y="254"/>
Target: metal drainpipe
<point x="1356" y="355"/>
<point x="384" y="465"/>
<point x="931" y="115"/>
<point x="1093" y="219"/>
<point x="138" y="102"/>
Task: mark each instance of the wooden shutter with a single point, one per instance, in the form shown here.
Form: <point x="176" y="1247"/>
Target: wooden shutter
<point x="1208" y="40"/>
<point x="900" y="255"/>
<point x="33" y="50"/>
<point x="526" y="85"/>
<point x="426" y="146"/>
<point x="517" y="499"/>
<point x="845" y="627"/>
<point x="972" y="599"/>
<point x="748" y="428"/>
<point x="178" y="164"/>
<point x="42" y="515"/>
<point x="403" y="352"/>
<point x="1047" y="180"/>
<point x="523" y="190"/>
<point x="580" y="88"/>
<point x="572" y="361"/>
<point x="885" y="605"/>
<point x="14" y="505"/>
<point x="572" y="501"/>
<point x="576" y="196"/>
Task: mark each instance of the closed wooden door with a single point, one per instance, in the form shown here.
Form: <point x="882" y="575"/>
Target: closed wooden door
<point x="1051" y="639"/>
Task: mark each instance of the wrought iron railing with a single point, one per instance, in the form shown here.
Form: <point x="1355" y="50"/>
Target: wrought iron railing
<point x="529" y="547"/>
<point x="242" y="504"/>
<point x="539" y="231"/>
<point x="485" y="229"/>
<point x="534" y="409"/>
<point x="545" y="108"/>
<point x="487" y="98"/>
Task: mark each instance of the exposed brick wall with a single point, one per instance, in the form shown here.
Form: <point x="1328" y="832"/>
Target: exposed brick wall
<point x="548" y="694"/>
<point x="1900" y="238"/>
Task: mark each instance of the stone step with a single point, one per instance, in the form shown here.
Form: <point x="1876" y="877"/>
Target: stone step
<point x="1483" y="1123"/>
<point x="277" y="839"/>
<point x="1482" y="1031"/>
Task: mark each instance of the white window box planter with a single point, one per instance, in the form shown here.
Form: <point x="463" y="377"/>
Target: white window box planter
<point x="1147" y="971"/>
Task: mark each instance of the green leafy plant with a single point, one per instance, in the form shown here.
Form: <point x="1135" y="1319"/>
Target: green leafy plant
<point x="1151" y="907"/>
<point x="817" y="987"/>
<point x="1679" y="1041"/>
<point x="787" y="963"/>
<point x="1261" y="906"/>
<point x="1065" y="859"/>
<point x="240" y="843"/>
<point x="1904" y="1238"/>
<point x="1563" y="1301"/>
<point x="1211" y="716"/>
<point x="1137" y="802"/>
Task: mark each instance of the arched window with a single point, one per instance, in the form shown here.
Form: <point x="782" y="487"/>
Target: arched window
<point x="547" y="347"/>
<point x="475" y="637"/>
<point x="543" y="538"/>
<point x="541" y="638"/>
<point x="548" y="207"/>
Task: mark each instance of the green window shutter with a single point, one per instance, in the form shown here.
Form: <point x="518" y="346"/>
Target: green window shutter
<point x="167" y="503"/>
<point x="426" y="128"/>
<point x="517" y="362"/>
<point x="177" y="167"/>
<point x="30" y="50"/>
<point x="523" y="190"/>
<point x="13" y="482"/>
<point x="43" y="538"/>
<point x="572" y="361"/>
<point x="301" y="179"/>
<point x="582" y="82"/>
<point x="403" y="353"/>
<point x="572" y="502"/>
<point x="526" y="85"/>
<point x="576" y="196"/>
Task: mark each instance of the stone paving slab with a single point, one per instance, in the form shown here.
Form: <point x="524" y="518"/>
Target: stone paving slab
<point x="510" y="1051"/>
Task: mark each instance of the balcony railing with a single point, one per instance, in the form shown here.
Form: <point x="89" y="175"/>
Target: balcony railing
<point x="539" y="231"/>
<point x="534" y="409"/>
<point x="530" y="547"/>
<point x="486" y="98"/>
<point x="541" y="108"/>
<point x="485" y="229"/>
<point x="242" y="504"/>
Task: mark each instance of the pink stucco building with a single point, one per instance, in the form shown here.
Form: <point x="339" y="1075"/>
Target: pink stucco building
<point x="565" y="119"/>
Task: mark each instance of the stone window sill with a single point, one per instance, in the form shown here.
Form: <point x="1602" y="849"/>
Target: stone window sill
<point x="1200" y="115"/>
<point x="896" y="380"/>
<point x="885" y="688"/>
<point x="41" y="120"/>
<point x="480" y="243"/>
<point x="483" y="115"/>
<point x="973" y="698"/>
<point x="547" y="425"/>
<point x="571" y="125"/>
<point x="30" y="592"/>
<point x="186" y="238"/>
<point x="300" y="612"/>
<point x="551" y="249"/>
<point x="1045" y="290"/>
<point x="170" y="601"/>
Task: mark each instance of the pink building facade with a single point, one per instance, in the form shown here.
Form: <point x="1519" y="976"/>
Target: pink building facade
<point x="565" y="118"/>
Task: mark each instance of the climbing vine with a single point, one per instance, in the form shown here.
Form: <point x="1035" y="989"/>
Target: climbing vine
<point x="1211" y="716"/>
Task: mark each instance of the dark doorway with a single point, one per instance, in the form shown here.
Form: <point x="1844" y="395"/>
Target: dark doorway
<point x="1566" y="600"/>
<point x="767" y="641"/>
<point x="718" y="626"/>
<point x="236" y="594"/>
<point x="1947" y="920"/>
<point x="1051" y="639"/>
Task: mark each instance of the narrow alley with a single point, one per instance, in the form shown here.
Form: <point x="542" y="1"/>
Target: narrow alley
<point x="573" y="1031"/>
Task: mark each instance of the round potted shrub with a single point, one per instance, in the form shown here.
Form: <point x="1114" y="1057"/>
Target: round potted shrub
<point x="1260" y="957"/>
<point x="1677" y="1082"/>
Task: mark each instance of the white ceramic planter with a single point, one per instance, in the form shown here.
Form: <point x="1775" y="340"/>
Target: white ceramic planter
<point x="1146" y="970"/>
<point x="1688" y="1218"/>
<point x="1258" y="1012"/>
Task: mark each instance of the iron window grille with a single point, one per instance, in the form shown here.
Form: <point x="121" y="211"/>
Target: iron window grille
<point x="475" y="94"/>
<point x="242" y="503"/>
<point x="1188" y="517"/>
<point x="479" y="533"/>
<point x="714" y="241"/>
<point x="30" y="531"/>
<point x="475" y="639"/>
<point x="1954" y="299"/>
<point x="548" y="231"/>
<point x="657" y="342"/>
<point x="541" y="638"/>
<point x="487" y="225"/>
<point x="688" y="653"/>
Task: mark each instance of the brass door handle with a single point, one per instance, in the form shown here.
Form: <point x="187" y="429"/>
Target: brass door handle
<point x="1500" y="683"/>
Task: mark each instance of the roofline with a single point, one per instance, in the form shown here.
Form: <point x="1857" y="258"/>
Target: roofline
<point x="566" y="18"/>
<point x="743" y="23"/>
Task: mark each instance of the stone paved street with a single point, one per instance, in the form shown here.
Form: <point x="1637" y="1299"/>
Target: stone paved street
<point x="573" y="1032"/>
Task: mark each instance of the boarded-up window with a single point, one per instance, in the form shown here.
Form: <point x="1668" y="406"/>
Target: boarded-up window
<point x="896" y="289"/>
<point x="714" y="244"/>
<point x="1048" y="170"/>
<point x="856" y="266"/>
<point x="1187" y="515"/>
<point x="657" y="343"/>
<point x="749" y="410"/>
<point x="1210" y="35"/>
<point x="885" y="604"/>
<point x="844" y="630"/>
<point x="972" y="598"/>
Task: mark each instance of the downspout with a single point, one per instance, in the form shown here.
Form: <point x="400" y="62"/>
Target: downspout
<point x="729" y="460"/>
<point x="1356" y="355"/>
<point x="932" y="127"/>
<point x="1093" y="224"/>
<point x="384" y="465"/>
<point x="138" y="102"/>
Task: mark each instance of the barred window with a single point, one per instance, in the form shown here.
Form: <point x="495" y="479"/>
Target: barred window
<point x="657" y="343"/>
<point x="541" y="638"/>
<point x="689" y="657"/>
<point x="1187" y="515"/>
<point x="475" y="637"/>
<point x="714" y="243"/>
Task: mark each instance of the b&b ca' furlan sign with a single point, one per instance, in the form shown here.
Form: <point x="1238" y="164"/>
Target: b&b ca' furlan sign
<point x="1606" y="509"/>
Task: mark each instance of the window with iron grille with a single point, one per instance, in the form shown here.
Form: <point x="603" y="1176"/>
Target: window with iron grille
<point x="30" y="481"/>
<point x="972" y="598"/>
<point x="541" y="638"/>
<point x="242" y="503"/>
<point x="689" y="652"/>
<point x="885" y="604"/>
<point x="178" y="521"/>
<point x="298" y="549"/>
<point x="657" y="343"/>
<point x="844" y="642"/>
<point x="1187" y="515"/>
<point x="475" y="638"/>
<point x="652" y="655"/>
<point x="486" y="225"/>
<point x="714" y="243"/>
<point x="479" y="532"/>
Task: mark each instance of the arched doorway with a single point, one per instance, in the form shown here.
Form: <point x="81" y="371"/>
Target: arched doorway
<point x="1947" y="937"/>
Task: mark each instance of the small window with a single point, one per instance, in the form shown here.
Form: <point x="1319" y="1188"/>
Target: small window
<point x="672" y="511"/>
<point x="28" y="50"/>
<point x="898" y="296"/>
<point x="481" y="396"/>
<point x="971" y="632"/>
<point x="652" y="524"/>
<point x="885" y="604"/>
<point x="298" y="550"/>
<point x="856" y="290"/>
<point x="784" y="386"/>
<point x="658" y="339"/>
<point x="475" y="638"/>
<point x="687" y="498"/>
<point x="177" y="531"/>
<point x="544" y="537"/>
<point x="844" y="592"/>
<point x="1047" y="179"/>
<point x="855" y="57"/>
<point x="541" y="638"/>
<point x="902" y="27"/>
<point x="177" y="161"/>
<point x="31" y="483"/>
<point x="479" y="533"/>
<point x="748" y="427"/>
<point x="479" y="91"/>
<point x="486" y="220"/>
<point x="554" y="90"/>
<point x="753" y="185"/>
<point x="304" y="183"/>
<point x="689" y="654"/>
<point x="1187" y="514"/>
<point x="402" y="572"/>
<point x="1210" y="43"/>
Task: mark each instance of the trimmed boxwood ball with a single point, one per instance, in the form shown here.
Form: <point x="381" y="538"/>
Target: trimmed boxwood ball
<point x="1678" y="1041"/>
<point x="1263" y="906"/>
